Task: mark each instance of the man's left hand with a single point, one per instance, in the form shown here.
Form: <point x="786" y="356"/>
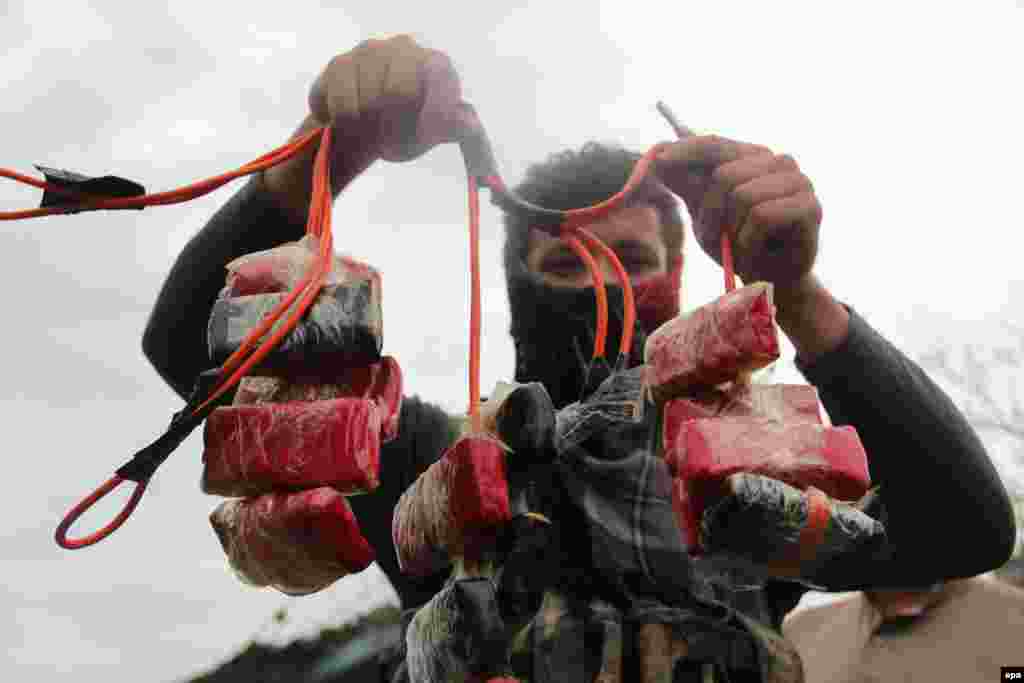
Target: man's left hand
<point x="762" y="200"/>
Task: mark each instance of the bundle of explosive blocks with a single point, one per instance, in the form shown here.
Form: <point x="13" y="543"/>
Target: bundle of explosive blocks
<point x="755" y="467"/>
<point x="472" y="510"/>
<point x="305" y="426"/>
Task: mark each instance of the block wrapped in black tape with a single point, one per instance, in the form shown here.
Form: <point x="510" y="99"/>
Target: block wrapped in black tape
<point x="459" y="635"/>
<point x="764" y="523"/>
<point x="343" y="326"/>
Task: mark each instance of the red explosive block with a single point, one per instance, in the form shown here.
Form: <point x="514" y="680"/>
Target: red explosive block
<point x="299" y="543"/>
<point x="253" y="449"/>
<point x="802" y="454"/>
<point x="378" y="382"/>
<point x="463" y="494"/>
<point x="713" y="344"/>
<point x="781" y="403"/>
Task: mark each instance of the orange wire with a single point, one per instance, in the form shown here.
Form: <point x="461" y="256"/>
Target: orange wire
<point x="474" y="308"/>
<point x="602" y="296"/>
<point x="727" y="265"/>
<point x="629" y="304"/>
<point x="182" y="194"/>
<point x="309" y="287"/>
<point x="576" y="217"/>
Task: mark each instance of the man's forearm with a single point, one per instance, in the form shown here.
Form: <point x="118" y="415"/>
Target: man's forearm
<point x="812" y="318"/>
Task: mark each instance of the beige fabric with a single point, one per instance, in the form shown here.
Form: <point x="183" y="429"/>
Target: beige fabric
<point x="976" y="626"/>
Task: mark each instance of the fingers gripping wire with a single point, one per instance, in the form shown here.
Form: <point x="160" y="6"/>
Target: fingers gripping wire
<point x="683" y="132"/>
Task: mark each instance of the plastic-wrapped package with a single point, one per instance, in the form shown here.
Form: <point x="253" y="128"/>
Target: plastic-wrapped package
<point x="458" y="635"/>
<point x="715" y="343"/>
<point x="799" y="453"/>
<point x="379" y="382"/>
<point x="465" y="491"/>
<point x="702" y="453"/>
<point x="786" y="533"/>
<point x="298" y="543"/>
<point x="280" y="269"/>
<point x="780" y="403"/>
<point x="343" y="326"/>
<point x="253" y="449"/>
<point x="273" y="270"/>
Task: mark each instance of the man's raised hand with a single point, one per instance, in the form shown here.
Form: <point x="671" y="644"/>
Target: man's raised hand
<point x="395" y="97"/>
<point x="762" y="200"/>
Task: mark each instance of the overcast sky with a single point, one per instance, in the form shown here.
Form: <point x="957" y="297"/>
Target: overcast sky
<point x="906" y="117"/>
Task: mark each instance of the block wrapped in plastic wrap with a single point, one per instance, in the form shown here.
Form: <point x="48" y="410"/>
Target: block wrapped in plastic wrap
<point x="715" y="343"/>
<point x="298" y="543"/>
<point x="799" y="453"/>
<point x="280" y="269"/>
<point x="465" y="491"/>
<point x="343" y="326"/>
<point x="252" y="449"/>
<point x="379" y="382"/>
<point x="458" y="635"/>
<point x="765" y="523"/>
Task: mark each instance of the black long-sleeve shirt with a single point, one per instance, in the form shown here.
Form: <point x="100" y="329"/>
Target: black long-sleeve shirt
<point x="947" y="513"/>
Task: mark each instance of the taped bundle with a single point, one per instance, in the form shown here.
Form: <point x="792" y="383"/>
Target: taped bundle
<point x="716" y="343"/>
<point x="298" y="543"/>
<point x="716" y="425"/>
<point x="306" y="425"/>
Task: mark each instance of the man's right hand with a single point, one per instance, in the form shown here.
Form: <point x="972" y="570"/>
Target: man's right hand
<point x="398" y="97"/>
<point x="386" y="99"/>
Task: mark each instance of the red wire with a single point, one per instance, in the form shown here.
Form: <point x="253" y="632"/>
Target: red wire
<point x="182" y="194"/>
<point x="602" y="296"/>
<point x="576" y="217"/>
<point x="727" y="265"/>
<point x="60" y="535"/>
<point x="474" y="309"/>
<point x="629" y="304"/>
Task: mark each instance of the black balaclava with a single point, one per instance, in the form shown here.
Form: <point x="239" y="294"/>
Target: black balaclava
<point x="553" y="328"/>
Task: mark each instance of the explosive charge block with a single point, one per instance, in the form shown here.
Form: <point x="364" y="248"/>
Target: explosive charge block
<point x="462" y="494"/>
<point x="298" y="543"/>
<point x="716" y="343"/>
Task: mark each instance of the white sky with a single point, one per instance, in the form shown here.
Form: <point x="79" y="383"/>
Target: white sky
<point x="906" y="118"/>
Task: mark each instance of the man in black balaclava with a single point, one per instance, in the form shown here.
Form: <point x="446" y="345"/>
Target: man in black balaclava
<point x="551" y="299"/>
<point x="624" y="589"/>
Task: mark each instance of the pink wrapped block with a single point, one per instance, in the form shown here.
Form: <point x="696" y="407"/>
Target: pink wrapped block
<point x="280" y="269"/>
<point x="803" y="454"/>
<point x="299" y="543"/>
<point x="252" y="449"/>
<point x="459" y="496"/>
<point x="714" y="344"/>
<point x="781" y="403"/>
<point x="800" y="454"/>
<point x="379" y="382"/>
